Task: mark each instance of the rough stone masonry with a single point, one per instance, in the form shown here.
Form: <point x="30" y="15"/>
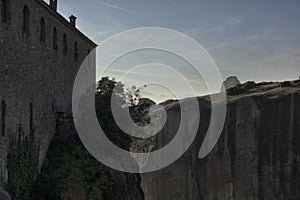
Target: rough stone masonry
<point x="40" y="53"/>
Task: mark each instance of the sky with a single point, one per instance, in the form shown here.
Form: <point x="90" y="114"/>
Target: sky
<point x="254" y="40"/>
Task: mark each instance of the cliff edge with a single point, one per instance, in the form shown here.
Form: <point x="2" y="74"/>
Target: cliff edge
<point x="256" y="157"/>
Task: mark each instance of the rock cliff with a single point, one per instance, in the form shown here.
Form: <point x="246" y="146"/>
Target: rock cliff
<point x="256" y="157"/>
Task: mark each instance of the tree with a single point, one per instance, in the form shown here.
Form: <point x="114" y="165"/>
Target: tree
<point x="107" y="87"/>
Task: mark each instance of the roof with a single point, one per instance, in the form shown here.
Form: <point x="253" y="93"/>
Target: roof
<point x="65" y="22"/>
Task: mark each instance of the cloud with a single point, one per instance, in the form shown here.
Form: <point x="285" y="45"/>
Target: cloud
<point x="144" y="39"/>
<point x="117" y="7"/>
<point x="101" y="33"/>
<point x="225" y="25"/>
<point x="281" y="65"/>
<point x="235" y="20"/>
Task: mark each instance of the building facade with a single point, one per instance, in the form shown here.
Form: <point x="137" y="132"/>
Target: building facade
<point x="40" y="54"/>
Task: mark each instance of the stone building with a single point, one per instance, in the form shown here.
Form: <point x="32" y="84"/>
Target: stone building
<point x="40" y="53"/>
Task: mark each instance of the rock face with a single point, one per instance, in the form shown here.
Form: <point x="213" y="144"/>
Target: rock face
<point x="256" y="157"/>
<point x="231" y="82"/>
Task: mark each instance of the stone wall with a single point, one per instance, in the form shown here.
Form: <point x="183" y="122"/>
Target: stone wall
<point x="33" y="73"/>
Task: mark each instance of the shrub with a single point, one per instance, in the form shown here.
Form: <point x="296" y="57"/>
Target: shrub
<point x="22" y="166"/>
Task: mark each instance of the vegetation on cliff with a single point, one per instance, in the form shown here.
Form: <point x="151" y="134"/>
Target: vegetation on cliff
<point x="22" y="166"/>
<point x="71" y="173"/>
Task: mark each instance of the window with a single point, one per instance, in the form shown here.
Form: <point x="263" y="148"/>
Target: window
<point x="26" y="20"/>
<point x="65" y="44"/>
<point x="75" y="51"/>
<point x="3" y="115"/>
<point x="43" y="30"/>
<point x="54" y="38"/>
<point x="31" y="118"/>
<point x="4" y="11"/>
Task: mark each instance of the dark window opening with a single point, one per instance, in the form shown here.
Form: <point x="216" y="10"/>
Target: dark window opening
<point x="55" y="38"/>
<point x="43" y="30"/>
<point x="31" y="118"/>
<point x="4" y="11"/>
<point x="26" y="20"/>
<point x="65" y="44"/>
<point x="76" y="51"/>
<point x="3" y="115"/>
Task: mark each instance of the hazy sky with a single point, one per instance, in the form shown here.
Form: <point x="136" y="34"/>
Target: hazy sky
<point x="254" y="40"/>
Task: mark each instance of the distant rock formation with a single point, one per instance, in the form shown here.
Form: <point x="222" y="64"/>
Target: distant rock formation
<point x="231" y="82"/>
<point x="146" y="102"/>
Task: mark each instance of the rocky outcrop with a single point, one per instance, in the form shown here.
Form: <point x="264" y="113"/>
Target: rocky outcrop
<point x="231" y="82"/>
<point x="256" y="157"/>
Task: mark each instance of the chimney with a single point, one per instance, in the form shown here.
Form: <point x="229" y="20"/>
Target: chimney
<point x="73" y="20"/>
<point x="53" y="5"/>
